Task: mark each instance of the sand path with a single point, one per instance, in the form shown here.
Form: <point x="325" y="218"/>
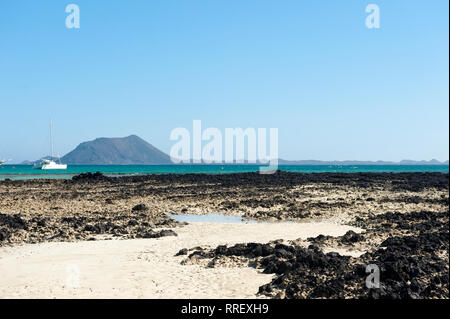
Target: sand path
<point x="143" y="268"/>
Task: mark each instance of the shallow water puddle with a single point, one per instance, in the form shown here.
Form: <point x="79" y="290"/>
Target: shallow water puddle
<point x="216" y="218"/>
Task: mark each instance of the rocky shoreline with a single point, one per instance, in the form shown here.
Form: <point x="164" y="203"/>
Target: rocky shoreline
<point x="413" y="261"/>
<point x="405" y="217"/>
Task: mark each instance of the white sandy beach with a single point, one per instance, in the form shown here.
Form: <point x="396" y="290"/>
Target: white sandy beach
<point x="144" y="268"/>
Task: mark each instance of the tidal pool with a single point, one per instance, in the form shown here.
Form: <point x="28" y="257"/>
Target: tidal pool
<point x="216" y="218"/>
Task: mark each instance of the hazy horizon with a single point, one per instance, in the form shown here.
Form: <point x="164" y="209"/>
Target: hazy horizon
<point x="284" y="159"/>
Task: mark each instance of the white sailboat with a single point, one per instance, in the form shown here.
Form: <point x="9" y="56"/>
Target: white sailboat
<point x="50" y="163"/>
<point x="3" y="162"/>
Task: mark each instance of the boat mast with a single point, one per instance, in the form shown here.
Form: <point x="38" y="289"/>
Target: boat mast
<point x="51" y="140"/>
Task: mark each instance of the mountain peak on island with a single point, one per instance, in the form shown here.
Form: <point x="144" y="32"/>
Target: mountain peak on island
<point x="118" y="150"/>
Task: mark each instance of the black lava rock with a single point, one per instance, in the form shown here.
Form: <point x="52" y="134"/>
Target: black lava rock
<point x="139" y="208"/>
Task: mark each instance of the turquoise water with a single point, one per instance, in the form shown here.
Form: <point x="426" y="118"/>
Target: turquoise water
<point x="27" y="171"/>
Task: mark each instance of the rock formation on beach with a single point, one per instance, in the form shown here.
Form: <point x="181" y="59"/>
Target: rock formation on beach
<point x="409" y="260"/>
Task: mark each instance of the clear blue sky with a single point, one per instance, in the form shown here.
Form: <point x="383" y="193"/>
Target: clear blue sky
<point x="335" y="89"/>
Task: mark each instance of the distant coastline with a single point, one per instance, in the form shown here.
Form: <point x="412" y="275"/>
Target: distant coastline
<point x="281" y="162"/>
<point x="133" y="150"/>
<point x="350" y="162"/>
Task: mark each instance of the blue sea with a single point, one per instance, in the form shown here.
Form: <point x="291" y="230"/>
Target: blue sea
<point x="15" y="172"/>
